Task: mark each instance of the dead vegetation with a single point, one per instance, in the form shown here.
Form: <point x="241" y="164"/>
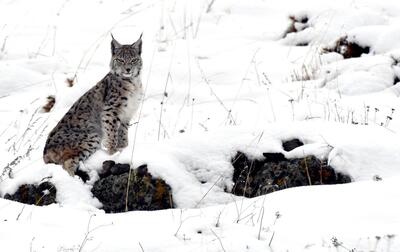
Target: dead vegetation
<point x="70" y="82"/>
<point x="51" y="100"/>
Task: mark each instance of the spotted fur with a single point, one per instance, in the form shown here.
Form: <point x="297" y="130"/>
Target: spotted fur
<point x="101" y="116"/>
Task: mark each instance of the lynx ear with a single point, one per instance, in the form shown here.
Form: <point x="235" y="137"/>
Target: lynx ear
<point x="114" y="44"/>
<point x="138" y="44"/>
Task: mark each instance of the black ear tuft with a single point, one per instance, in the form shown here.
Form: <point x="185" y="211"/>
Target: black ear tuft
<point x="138" y="44"/>
<point x="114" y="44"/>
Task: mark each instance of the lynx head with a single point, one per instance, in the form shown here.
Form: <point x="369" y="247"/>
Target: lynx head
<point x="125" y="59"/>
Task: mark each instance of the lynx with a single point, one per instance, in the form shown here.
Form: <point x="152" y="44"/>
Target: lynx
<point x="100" y="118"/>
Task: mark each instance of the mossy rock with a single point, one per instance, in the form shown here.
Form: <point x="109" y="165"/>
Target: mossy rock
<point x="122" y="189"/>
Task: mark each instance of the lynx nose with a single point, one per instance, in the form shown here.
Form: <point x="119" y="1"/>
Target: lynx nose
<point x="128" y="70"/>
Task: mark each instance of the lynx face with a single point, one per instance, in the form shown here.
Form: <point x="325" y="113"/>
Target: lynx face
<point x="126" y="60"/>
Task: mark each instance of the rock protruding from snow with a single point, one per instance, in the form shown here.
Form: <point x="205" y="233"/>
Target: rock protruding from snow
<point x="144" y="192"/>
<point x="39" y="195"/>
<point x="349" y="49"/>
<point x="258" y="177"/>
<point x="297" y="23"/>
<point x="292" y="144"/>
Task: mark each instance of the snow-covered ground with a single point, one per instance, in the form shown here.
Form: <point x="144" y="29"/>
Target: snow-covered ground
<point x="220" y="77"/>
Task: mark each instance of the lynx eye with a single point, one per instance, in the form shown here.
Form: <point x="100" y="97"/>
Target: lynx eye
<point x="119" y="60"/>
<point x="135" y="61"/>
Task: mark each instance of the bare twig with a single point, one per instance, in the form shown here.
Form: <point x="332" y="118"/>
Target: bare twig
<point x="89" y="231"/>
<point x="217" y="224"/>
<point x="277" y="216"/>
<point x="219" y="239"/>
<point x="127" y="189"/>
<point x="3" y="47"/>
<point x="31" y="245"/>
<point x="19" y="215"/>
<point x="272" y="238"/>
<point x="141" y="247"/>
<point x="307" y="172"/>
<point x="180" y="222"/>
<point x="214" y="94"/>
<point x="219" y="178"/>
<point x="210" y="6"/>
<point x="262" y="218"/>
<point x="165" y="94"/>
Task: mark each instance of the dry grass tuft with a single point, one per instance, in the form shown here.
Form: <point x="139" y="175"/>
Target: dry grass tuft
<point x="51" y="100"/>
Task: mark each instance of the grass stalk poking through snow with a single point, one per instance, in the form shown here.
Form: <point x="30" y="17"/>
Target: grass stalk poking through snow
<point x="205" y="79"/>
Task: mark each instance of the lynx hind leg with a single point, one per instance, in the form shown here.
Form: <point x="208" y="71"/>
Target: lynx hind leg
<point x="88" y="145"/>
<point x="71" y="165"/>
<point x="122" y="136"/>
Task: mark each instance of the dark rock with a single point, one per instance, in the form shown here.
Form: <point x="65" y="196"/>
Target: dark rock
<point x="274" y="157"/>
<point x="396" y="80"/>
<point x="292" y="144"/>
<point x="107" y="165"/>
<point x="348" y="49"/>
<point x="258" y="177"/>
<point x="39" y="195"/>
<point x="106" y="168"/>
<point x="142" y="170"/>
<point x="111" y="168"/>
<point x="297" y="23"/>
<point x="144" y="192"/>
<point x="119" y="169"/>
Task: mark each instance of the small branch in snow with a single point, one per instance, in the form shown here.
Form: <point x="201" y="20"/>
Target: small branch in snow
<point x="336" y="243"/>
<point x="307" y="172"/>
<point x="217" y="224"/>
<point x="277" y="216"/>
<point x="232" y="120"/>
<point x="141" y="247"/>
<point x="219" y="239"/>
<point x="181" y="221"/>
<point x="197" y="204"/>
<point x="252" y="61"/>
<point x="89" y="231"/>
<point x="3" y="47"/>
<point x="165" y="94"/>
<point x="31" y="245"/>
<point x="127" y="189"/>
<point x="210" y="6"/>
<point x="272" y="238"/>
<point x="268" y="84"/>
<point x="42" y="43"/>
<point x="262" y="218"/>
<point x="19" y="215"/>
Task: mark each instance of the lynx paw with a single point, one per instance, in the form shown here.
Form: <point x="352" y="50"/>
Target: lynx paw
<point x="122" y="145"/>
<point x="110" y="147"/>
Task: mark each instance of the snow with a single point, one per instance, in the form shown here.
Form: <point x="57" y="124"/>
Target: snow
<point x="216" y="82"/>
<point x="360" y="75"/>
<point x="309" y="218"/>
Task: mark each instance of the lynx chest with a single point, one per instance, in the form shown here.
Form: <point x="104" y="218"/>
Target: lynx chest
<point x="131" y="100"/>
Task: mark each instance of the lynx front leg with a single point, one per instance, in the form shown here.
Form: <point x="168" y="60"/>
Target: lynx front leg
<point x="110" y="126"/>
<point x="122" y="136"/>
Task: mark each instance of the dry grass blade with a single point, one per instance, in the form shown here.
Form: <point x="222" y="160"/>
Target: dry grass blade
<point x="219" y="239"/>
